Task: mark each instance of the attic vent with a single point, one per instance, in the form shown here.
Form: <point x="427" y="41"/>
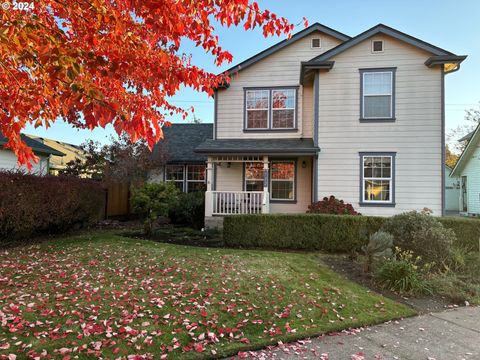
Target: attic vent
<point x="377" y="46"/>
<point x="316" y="43"/>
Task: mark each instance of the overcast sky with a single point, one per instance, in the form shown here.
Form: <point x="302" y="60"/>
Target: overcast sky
<point x="452" y="25"/>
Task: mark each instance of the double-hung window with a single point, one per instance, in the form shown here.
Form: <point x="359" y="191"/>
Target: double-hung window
<point x="175" y="173"/>
<point x="257" y="112"/>
<point x="195" y="178"/>
<point x="378" y="94"/>
<point x="254" y="176"/>
<point x="377" y="178"/>
<point x="270" y="109"/>
<point x="283" y="109"/>
<point x="282" y="180"/>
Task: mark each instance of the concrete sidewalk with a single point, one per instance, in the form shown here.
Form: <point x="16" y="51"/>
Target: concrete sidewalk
<point x="448" y="335"/>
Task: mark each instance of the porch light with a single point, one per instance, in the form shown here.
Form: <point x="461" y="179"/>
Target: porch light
<point x="304" y="164"/>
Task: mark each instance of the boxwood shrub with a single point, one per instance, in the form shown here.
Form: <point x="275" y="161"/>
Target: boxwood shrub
<point x="331" y="233"/>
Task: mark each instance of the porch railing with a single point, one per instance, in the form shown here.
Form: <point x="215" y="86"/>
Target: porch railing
<point x="238" y="202"/>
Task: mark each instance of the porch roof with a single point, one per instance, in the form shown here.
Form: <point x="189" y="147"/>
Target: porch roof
<point x="258" y="146"/>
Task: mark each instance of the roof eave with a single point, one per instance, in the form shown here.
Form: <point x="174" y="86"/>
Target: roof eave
<point x="311" y="151"/>
<point x="459" y="165"/>
<point x="306" y="66"/>
<point x="451" y="63"/>
<point x="380" y="28"/>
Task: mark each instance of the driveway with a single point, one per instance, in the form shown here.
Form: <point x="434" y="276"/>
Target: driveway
<point x="448" y="335"/>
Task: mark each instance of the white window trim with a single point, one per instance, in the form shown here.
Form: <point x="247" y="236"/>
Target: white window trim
<point x="283" y="180"/>
<point x="390" y="179"/>
<point x="383" y="47"/>
<point x="391" y="95"/>
<point x="245" y="174"/>
<point x="263" y="109"/>
<point x="187" y="180"/>
<point x="320" y="42"/>
<point x="176" y="181"/>
<point x="279" y="109"/>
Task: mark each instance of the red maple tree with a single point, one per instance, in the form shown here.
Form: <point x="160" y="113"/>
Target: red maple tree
<point x="98" y="62"/>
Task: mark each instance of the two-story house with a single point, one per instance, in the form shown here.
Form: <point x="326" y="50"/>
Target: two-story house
<point x="322" y="113"/>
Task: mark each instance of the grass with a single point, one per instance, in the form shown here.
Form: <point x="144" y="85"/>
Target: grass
<point x="103" y="295"/>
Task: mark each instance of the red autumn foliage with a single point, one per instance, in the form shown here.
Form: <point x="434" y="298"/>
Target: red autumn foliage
<point x="331" y="205"/>
<point x="94" y="63"/>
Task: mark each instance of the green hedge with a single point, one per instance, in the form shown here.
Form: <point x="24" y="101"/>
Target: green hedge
<point x="467" y="231"/>
<point x="332" y="233"/>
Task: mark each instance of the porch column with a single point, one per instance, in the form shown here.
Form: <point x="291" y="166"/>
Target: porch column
<point x="266" y="195"/>
<point x="208" y="193"/>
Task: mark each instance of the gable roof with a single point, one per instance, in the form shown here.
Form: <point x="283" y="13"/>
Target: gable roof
<point x="180" y="141"/>
<point x="384" y="29"/>
<point x="467" y="137"/>
<point x="278" y="46"/>
<point x="462" y="161"/>
<point x="36" y="146"/>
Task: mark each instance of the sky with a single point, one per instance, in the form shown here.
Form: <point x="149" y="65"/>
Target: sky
<point x="452" y="25"/>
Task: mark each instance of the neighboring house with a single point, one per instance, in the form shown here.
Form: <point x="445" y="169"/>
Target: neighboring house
<point x="183" y="165"/>
<point x="323" y="113"/>
<point x="8" y="160"/>
<point x="467" y="169"/>
<point x="70" y="153"/>
<point x="452" y="191"/>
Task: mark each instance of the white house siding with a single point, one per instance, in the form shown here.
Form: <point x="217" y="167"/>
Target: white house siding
<point x="8" y="161"/>
<point x="452" y="191"/>
<point x="472" y="172"/>
<point x="415" y="136"/>
<point x="279" y="69"/>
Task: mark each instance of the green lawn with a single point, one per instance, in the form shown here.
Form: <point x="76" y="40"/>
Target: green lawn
<point x="105" y="295"/>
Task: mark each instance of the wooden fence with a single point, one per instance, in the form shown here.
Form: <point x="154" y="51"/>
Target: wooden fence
<point x="118" y="200"/>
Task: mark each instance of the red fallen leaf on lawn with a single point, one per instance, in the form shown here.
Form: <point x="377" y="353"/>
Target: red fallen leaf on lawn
<point x="242" y="354"/>
<point x="198" y="347"/>
<point x="244" y="341"/>
<point x="203" y="313"/>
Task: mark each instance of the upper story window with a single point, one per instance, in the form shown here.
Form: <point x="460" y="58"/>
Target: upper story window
<point x="316" y="43"/>
<point x="270" y="109"/>
<point x="377" y="46"/>
<point x="258" y="102"/>
<point x="377" y="94"/>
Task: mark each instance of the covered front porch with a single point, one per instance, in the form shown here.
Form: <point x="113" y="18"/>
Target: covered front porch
<point x="259" y="176"/>
<point x="258" y="184"/>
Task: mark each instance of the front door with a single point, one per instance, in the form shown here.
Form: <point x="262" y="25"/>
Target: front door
<point x="464" y="199"/>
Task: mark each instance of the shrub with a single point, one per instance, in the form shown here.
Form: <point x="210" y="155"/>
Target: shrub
<point x="379" y="246"/>
<point x="331" y="205"/>
<point x="151" y="201"/>
<point x="403" y="273"/>
<point x="300" y="231"/>
<point x="36" y="205"/>
<point x="323" y="232"/>
<point x="188" y="209"/>
<point x="467" y="231"/>
<point x="421" y="233"/>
